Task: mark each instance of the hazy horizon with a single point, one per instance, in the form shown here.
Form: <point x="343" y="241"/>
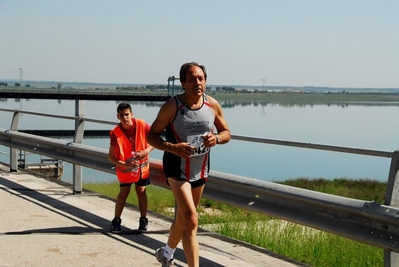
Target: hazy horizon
<point x="332" y="43"/>
<point x="260" y="87"/>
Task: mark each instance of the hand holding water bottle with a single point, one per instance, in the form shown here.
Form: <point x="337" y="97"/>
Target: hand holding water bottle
<point x="136" y="164"/>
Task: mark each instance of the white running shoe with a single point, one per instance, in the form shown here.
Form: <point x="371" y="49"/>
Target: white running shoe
<point x="162" y="259"/>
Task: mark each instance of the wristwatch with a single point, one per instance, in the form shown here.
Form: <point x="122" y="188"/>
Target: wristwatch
<point x="217" y="139"/>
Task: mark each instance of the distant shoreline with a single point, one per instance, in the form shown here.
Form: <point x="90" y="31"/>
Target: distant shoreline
<point x="310" y="98"/>
<point x="111" y="86"/>
<point x="285" y="97"/>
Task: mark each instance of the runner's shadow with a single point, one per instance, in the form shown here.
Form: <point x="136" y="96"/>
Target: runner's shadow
<point x="87" y="220"/>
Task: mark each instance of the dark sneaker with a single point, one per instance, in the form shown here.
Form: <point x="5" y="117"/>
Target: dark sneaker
<point x="143" y="224"/>
<point x="116" y="226"/>
<point x="162" y="259"/>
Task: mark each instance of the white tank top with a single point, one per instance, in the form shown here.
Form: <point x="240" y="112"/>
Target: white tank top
<point x="188" y="126"/>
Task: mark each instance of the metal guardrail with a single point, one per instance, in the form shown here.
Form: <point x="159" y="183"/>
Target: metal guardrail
<point x="360" y="151"/>
<point x="364" y="221"/>
<point x="79" y="94"/>
<point x="83" y="91"/>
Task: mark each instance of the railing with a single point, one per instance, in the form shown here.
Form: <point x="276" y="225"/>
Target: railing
<point x="71" y="91"/>
<point x="364" y="221"/>
<point x="78" y="94"/>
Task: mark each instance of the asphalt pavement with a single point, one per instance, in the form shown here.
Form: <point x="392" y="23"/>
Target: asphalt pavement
<point x="44" y="224"/>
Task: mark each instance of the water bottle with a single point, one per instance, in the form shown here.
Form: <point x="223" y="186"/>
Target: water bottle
<point x="135" y="171"/>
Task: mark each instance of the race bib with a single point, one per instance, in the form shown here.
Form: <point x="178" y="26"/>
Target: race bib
<point x="198" y="143"/>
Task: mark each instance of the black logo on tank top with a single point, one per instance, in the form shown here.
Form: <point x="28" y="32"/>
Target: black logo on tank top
<point x="182" y="111"/>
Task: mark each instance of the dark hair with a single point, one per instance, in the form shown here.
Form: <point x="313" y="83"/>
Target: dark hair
<point x="186" y="66"/>
<point x="123" y="106"/>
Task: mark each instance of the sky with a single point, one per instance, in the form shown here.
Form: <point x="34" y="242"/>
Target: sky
<point x="329" y="43"/>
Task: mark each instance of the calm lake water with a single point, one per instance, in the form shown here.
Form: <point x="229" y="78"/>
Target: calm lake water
<point x="357" y="126"/>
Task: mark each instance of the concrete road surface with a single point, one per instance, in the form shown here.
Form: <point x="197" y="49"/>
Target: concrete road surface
<point x="44" y="224"/>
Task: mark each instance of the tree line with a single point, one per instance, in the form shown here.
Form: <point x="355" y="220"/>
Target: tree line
<point x="4" y="84"/>
<point x="176" y="87"/>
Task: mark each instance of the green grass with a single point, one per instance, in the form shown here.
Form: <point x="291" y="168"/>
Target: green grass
<point x="307" y="245"/>
<point x="364" y="189"/>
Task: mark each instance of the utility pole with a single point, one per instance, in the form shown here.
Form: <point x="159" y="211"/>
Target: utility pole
<point x="20" y="76"/>
<point x="264" y="83"/>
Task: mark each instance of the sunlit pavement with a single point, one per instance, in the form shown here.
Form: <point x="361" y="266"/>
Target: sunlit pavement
<point x="44" y="224"/>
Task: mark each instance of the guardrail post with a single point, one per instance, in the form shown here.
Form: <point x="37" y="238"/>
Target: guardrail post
<point x="391" y="259"/>
<point x="13" y="151"/>
<point x="77" y="169"/>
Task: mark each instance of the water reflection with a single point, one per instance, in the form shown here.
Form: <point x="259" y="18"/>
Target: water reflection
<point x="362" y="125"/>
<point x="231" y="103"/>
